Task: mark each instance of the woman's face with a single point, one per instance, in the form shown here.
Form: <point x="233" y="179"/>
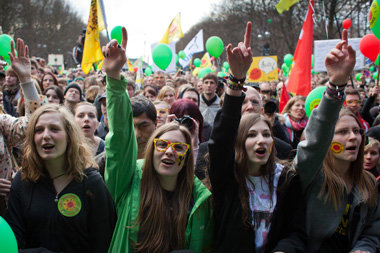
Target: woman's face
<point x="297" y="111"/>
<point x="85" y="116"/>
<point x="47" y="81"/>
<point x="50" y="137"/>
<point x="371" y="157"/>
<point x="162" y="114"/>
<point x="52" y="96"/>
<point x="347" y="139"/>
<point x="168" y="163"/>
<point x="191" y="95"/>
<point x="259" y="143"/>
<point x="150" y="96"/>
<point x="169" y="97"/>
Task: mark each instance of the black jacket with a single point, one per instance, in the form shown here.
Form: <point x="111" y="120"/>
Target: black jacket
<point x="231" y="235"/>
<point x="37" y="222"/>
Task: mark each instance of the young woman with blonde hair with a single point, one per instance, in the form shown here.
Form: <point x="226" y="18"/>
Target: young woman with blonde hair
<point x="161" y="205"/>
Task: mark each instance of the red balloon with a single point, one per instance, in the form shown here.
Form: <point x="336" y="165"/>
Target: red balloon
<point x="347" y="23"/>
<point x="135" y="69"/>
<point x="370" y="46"/>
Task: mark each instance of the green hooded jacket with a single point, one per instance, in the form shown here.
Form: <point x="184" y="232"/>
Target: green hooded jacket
<point x="123" y="174"/>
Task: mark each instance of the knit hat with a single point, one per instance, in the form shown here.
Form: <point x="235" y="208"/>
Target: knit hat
<point x="75" y="86"/>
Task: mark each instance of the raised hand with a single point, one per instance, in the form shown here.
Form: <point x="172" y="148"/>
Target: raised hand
<point x="340" y="61"/>
<point x="20" y="63"/>
<point x="114" y="56"/>
<point x="240" y="57"/>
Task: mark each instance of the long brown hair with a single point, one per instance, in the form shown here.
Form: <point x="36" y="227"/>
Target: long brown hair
<point x="162" y="229"/>
<point x="242" y="163"/>
<point x="78" y="156"/>
<point x="334" y="187"/>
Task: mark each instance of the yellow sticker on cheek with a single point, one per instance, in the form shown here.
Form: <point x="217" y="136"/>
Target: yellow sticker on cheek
<point x="180" y="159"/>
<point x="336" y="147"/>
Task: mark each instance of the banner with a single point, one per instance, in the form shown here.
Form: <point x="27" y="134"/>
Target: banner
<point x="323" y="47"/>
<point x="193" y="47"/>
<point x="263" y="69"/>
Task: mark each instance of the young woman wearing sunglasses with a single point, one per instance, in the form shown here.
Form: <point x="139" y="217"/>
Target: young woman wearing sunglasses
<point x="161" y="206"/>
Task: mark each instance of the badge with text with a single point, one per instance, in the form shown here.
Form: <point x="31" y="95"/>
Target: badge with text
<point x="69" y="205"/>
<point x="336" y="147"/>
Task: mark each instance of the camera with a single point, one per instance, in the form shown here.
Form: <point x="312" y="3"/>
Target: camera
<point x="186" y="121"/>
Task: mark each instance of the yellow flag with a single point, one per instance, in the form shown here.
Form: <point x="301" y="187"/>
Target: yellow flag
<point x="130" y="66"/>
<point x="92" y="52"/>
<point x="284" y="5"/>
<point x="174" y="30"/>
<point x="206" y="61"/>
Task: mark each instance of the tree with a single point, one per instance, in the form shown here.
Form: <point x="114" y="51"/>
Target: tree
<point x="229" y="17"/>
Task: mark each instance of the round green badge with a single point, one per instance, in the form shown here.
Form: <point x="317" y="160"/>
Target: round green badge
<point x="69" y="205"/>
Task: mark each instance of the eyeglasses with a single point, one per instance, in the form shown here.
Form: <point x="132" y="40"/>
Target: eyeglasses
<point x="162" y="145"/>
<point x="353" y="102"/>
<point x="266" y="91"/>
<point x="163" y="112"/>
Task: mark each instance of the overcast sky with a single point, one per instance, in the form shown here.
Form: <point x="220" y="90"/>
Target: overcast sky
<point x="147" y="20"/>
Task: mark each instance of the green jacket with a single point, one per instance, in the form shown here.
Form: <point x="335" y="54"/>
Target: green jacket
<point x="123" y="175"/>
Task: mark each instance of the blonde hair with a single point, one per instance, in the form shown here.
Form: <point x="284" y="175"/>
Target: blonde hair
<point x="372" y="143"/>
<point x="92" y="93"/>
<point x="334" y="188"/>
<point x="78" y="157"/>
<point x="162" y="92"/>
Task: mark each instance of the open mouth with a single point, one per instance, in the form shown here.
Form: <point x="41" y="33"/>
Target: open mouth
<point x="351" y="148"/>
<point x="260" y="152"/>
<point x="86" y="127"/>
<point x="47" y="147"/>
<point x="167" y="162"/>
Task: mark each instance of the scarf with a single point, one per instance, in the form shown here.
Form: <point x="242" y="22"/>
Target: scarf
<point x="292" y="126"/>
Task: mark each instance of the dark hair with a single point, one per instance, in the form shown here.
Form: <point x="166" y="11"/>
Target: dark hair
<point x="189" y="89"/>
<point x="351" y="91"/>
<point x="183" y="107"/>
<point x="57" y="91"/>
<point x="210" y="76"/>
<point x="140" y="105"/>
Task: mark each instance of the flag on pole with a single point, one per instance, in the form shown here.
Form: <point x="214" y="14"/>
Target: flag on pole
<point x="92" y="52"/>
<point x="193" y="47"/>
<point x="174" y="30"/>
<point x="300" y="75"/>
<point x="205" y="61"/>
<point x="284" y="98"/>
<point x="284" y="5"/>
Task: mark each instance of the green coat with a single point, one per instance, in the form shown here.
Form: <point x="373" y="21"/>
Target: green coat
<point x="123" y="175"/>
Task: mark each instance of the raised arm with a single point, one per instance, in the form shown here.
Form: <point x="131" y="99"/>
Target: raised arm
<point x="223" y="136"/>
<point x="320" y="128"/>
<point x="121" y="145"/>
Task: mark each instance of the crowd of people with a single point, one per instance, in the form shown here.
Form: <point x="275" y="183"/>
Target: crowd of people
<point x="91" y="163"/>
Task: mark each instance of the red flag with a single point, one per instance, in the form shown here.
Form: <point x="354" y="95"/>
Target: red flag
<point x="284" y="98"/>
<point x="300" y="75"/>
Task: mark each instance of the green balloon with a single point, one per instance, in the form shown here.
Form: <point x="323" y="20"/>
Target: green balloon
<point x="197" y="62"/>
<point x="182" y="54"/>
<point x="5" y="45"/>
<point x="221" y="74"/>
<point x="214" y="46"/>
<point x="285" y="68"/>
<point x="162" y="56"/>
<point x="203" y="72"/>
<point x="313" y="99"/>
<point x="148" y="71"/>
<point x="226" y="65"/>
<point x="373" y="17"/>
<point x="288" y="59"/>
<point x="372" y="68"/>
<point x="358" y="76"/>
<point x="377" y="60"/>
<point x="374" y="75"/>
<point x="117" y="34"/>
<point x="176" y="59"/>
<point x="8" y="241"/>
<point x="269" y="21"/>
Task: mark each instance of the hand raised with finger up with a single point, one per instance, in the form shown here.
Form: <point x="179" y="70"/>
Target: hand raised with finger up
<point x="114" y="56"/>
